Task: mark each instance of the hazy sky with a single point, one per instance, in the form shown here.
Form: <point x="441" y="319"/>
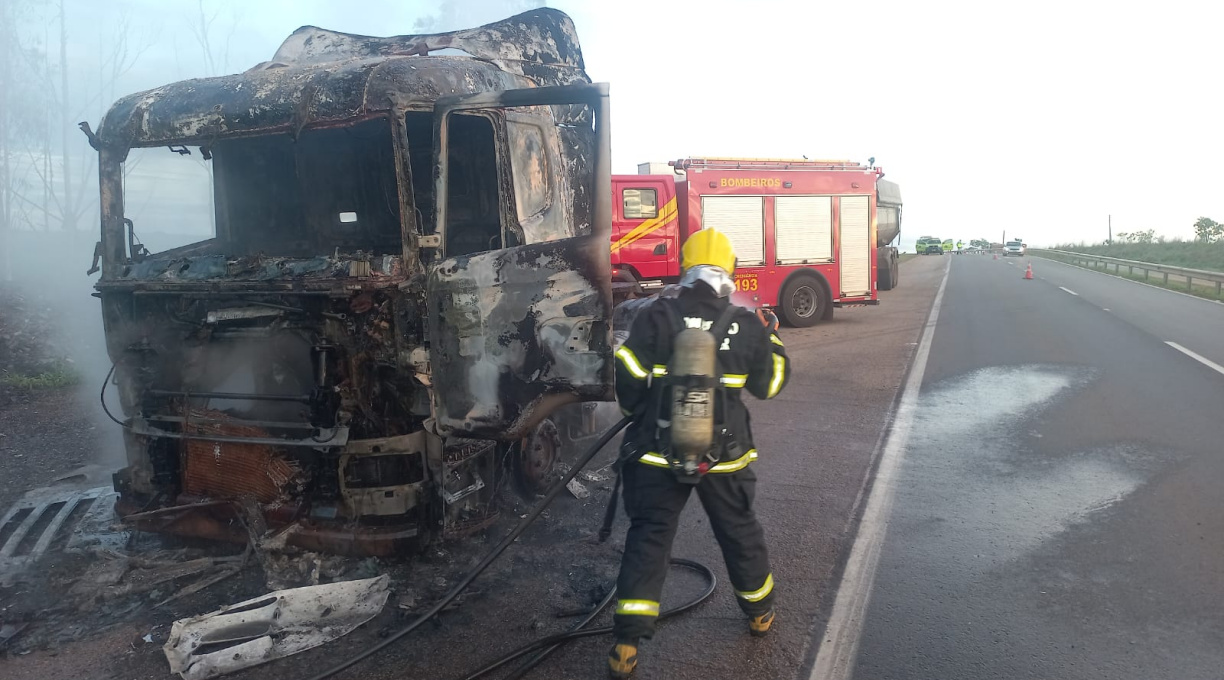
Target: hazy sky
<point x="1040" y="117"/>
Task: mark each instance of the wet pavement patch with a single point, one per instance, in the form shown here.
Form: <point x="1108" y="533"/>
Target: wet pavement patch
<point x="973" y="464"/>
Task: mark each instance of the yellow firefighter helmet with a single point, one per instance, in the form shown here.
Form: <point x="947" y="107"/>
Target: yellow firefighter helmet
<point x="708" y="247"/>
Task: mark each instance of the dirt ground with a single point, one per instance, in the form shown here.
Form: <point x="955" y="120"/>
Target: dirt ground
<point x="44" y="435"/>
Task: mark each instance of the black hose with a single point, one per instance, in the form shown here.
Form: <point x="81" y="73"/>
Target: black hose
<point x="521" y="670"/>
<point x="102" y="398"/>
<point x="551" y="643"/>
<point x="488" y="559"/>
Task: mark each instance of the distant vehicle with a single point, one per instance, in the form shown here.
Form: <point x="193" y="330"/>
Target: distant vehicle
<point x="929" y="244"/>
<point x="948" y="245"/>
<point x="1016" y="248"/>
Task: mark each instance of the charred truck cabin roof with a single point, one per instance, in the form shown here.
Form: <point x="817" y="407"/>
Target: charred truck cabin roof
<point x="349" y="354"/>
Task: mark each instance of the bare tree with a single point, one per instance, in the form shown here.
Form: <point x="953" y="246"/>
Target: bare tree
<point x="70" y="96"/>
<point x="214" y="39"/>
<point x="68" y="209"/>
<point x="15" y="123"/>
<point x="6" y="203"/>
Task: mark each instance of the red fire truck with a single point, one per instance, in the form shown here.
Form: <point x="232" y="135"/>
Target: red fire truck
<point x="810" y="235"/>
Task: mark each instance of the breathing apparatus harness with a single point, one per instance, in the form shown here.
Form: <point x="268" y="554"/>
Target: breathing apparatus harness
<point x="686" y="406"/>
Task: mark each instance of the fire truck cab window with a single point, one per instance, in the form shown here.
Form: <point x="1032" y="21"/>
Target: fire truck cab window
<point x="640" y="204"/>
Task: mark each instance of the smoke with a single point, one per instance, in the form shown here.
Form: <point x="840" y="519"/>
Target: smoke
<point x="48" y="267"/>
<point x="453" y="15"/>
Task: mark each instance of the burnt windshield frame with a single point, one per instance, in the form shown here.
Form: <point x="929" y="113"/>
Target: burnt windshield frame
<point x="227" y="235"/>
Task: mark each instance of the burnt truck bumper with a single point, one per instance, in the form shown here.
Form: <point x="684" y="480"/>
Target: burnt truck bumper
<point x="224" y="521"/>
<point x="367" y="498"/>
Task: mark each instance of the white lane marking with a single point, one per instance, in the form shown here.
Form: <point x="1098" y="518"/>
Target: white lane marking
<point x="1070" y="291"/>
<point x="838" y="650"/>
<point x="1196" y="356"/>
<point x="1105" y="308"/>
<point x="1137" y="283"/>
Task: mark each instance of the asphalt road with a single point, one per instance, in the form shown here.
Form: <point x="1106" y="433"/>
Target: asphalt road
<point x="1055" y="512"/>
<point x="1191" y="322"/>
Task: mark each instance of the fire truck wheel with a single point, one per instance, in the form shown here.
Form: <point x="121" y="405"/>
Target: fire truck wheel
<point x="805" y="301"/>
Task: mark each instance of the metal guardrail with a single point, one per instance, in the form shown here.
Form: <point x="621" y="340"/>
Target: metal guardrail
<point x="1092" y="261"/>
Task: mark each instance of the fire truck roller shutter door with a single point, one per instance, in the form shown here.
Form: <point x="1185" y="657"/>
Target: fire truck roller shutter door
<point x="742" y="219"/>
<point x="855" y="246"/>
<point x="803" y="229"/>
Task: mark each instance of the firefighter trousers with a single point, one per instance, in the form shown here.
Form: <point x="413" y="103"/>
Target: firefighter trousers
<point x="653" y="500"/>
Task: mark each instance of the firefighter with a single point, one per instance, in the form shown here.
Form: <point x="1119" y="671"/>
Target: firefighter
<point x="750" y="356"/>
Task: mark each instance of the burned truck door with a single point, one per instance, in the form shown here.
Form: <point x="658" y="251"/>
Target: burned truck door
<point x="517" y="332"/>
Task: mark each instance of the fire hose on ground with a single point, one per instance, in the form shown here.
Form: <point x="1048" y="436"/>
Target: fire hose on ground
<point x="539" y="649"/>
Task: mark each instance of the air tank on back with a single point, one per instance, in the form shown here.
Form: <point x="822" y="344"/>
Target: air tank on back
<point x="692" y="409"/>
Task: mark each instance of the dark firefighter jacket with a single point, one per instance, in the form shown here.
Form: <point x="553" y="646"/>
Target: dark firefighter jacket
<point x="751" y="358"/>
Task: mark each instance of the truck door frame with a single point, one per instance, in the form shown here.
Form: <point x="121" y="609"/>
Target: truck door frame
<point x="515" y="333"/>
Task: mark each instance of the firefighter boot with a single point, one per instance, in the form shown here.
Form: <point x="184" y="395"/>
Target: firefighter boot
<point x="759" y="625"/>
<point x="622" y="660"/>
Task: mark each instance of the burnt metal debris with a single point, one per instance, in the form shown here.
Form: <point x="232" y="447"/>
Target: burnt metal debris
<point x="358" y="356"/>
<point x="271" y="627"/>
<point x="72" y="519"/>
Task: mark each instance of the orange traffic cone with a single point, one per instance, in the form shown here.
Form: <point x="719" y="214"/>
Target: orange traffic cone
<point x="1028" y="273"/>
<point x="996" y="256"/>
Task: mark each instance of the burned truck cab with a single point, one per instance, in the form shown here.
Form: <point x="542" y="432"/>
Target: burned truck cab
<point x="407" y="273"/>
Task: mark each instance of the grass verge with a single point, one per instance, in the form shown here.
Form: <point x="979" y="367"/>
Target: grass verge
<point x="1189" y="254"/>
<point x="58" y="374"/>
<point x="1199" y="289"/>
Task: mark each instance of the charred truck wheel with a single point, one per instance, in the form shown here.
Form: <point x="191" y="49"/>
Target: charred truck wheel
<point x="535" y="462"/>
<point x="805" y="301"/>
